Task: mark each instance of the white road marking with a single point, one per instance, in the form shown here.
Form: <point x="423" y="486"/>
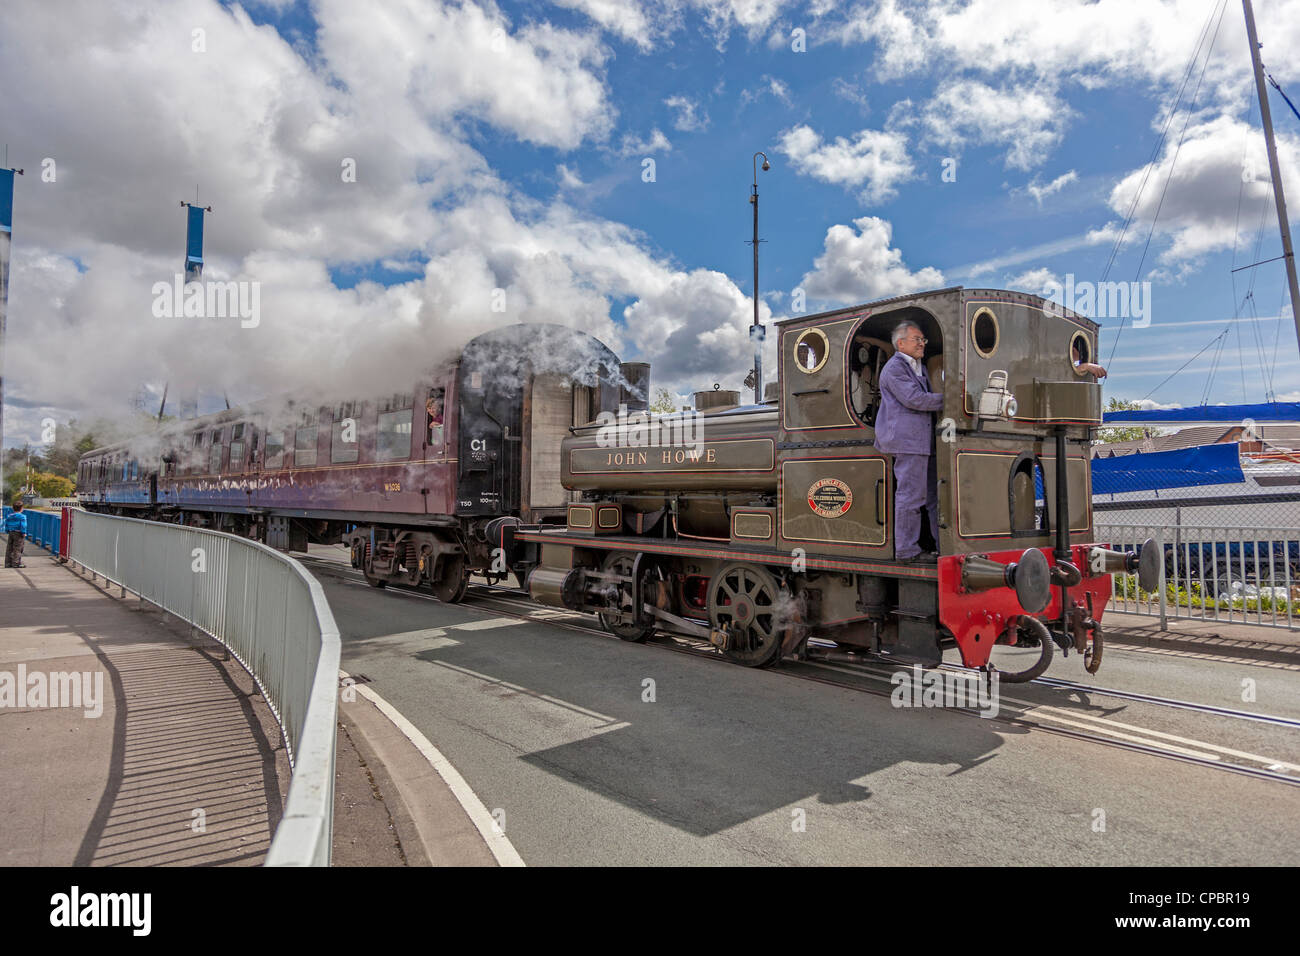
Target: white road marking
<point x="496" y="840"/>
<point x="486" y="625"/>
<point x="1027" y="708"/>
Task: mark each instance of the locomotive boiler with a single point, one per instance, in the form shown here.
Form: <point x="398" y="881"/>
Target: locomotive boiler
<point x="761" y="527"/>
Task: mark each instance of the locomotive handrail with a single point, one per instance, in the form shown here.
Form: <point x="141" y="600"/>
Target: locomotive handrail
<point x="275" y="620"/>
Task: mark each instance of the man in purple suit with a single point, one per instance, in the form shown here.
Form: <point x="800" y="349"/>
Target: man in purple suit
<point x="905" y="429"/>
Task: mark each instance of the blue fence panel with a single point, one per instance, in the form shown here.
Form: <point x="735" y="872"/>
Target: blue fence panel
<point x="42" y="527"/>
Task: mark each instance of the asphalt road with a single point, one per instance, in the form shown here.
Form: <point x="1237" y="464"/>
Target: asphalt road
<point x="601" y="752"/>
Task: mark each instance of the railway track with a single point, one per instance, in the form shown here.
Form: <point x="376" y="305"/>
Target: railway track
<point x="878" y="680"/>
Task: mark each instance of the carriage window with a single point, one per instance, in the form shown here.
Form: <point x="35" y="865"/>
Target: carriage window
<point x="343" y="433"/>
<point x="304" y="446"/>
<point x="214" y="456"/>
<point x="236" y="454"/>
<point x="811" y="350"/>
<point x="984" y="332"/>
<point x="433" y="412"/>
<point x="274" y="448"/>
<point x="393" y="438"/>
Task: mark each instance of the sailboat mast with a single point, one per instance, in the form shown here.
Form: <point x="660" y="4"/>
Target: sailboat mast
<point x="1278" y="195"/>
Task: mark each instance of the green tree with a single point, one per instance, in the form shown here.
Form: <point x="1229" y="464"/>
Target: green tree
<point x="1121" y="433"/>
<point x="52" y="486"/>
<point x="663" y="403"/>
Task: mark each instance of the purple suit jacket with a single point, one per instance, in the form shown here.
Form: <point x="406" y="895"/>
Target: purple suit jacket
<point x="905" y="422"/>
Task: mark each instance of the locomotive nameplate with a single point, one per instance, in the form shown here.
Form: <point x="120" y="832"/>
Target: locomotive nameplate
<point x="740" y="454"/>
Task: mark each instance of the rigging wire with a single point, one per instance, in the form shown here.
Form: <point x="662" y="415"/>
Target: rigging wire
<point x="1278" y="87"/>
<point x="1155" y="152"/>
<point x="1191" y="66"/>
<point x="1220" y="336"/>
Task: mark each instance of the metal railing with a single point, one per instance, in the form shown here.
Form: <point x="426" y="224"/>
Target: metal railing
<point x="1230" y="575"/>
<point x="42" y="528"/>
<point x="274" y="618"/>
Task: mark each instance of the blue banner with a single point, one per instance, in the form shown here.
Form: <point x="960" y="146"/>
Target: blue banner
<point x="194" y="241"/>
<point x="1185" y="467"/>
<point x="1207" y="414"/>
<point x="6" y="200"/>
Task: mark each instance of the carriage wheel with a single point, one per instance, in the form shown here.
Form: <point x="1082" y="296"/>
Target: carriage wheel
<point x="450" y="585"/>
<point x="743" y="603"/>
<point x="621" y="563"/>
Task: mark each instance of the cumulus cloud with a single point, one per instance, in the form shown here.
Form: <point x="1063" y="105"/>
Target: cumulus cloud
<point x="1222" y="161"/>
<point x="876" y="160"/>
<point x="270" y="137"/>
<point x="858" y="264"/>
<point x="1029" y="122"/>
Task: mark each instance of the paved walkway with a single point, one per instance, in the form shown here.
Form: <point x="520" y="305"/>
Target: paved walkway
<point x="1220" y="638"/>
<point x="171" y="758"/>
<point x="170" y="755"/>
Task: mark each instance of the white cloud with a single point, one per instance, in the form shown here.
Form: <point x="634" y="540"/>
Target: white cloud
<point x="634" y="145"/>
<point x="624" y="18"/>
<point x="690" y="117"/>
<point x="1035" y="280"/>
<point x="1220" y="160"/>
<point x="877" y="160"/>
<point x="568" y="178"/>
<point x="858" y="265"/>
<point x="264" y="132"/>
<point x="1041" y="192"/>
<point x="1029" y="122"/>
<point x="767" y="86"/>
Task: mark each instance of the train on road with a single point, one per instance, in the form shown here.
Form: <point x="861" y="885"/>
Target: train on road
<point x="766" y="529"/>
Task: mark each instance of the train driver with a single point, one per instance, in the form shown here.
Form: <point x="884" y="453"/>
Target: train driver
<point x="1078" y="356"/>
<point x="905" y="429"/>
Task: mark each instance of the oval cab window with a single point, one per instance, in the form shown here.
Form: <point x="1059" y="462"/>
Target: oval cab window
<point x="811" y="350"/>
<point x="984" y="332"/>
<point x="1080" y="352"/>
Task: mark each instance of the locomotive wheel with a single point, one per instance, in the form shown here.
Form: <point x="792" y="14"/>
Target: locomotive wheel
<point x="374" y="582"/>
<point x="451" y="584"/>
<point x="743" y="602"/>
<point x="621" y="563"/>
<point x="1030" y="627"/>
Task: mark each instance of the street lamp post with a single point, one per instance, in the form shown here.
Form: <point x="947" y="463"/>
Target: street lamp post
<point x="756" y="331"/>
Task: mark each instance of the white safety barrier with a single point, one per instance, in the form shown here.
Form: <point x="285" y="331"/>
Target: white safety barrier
<point x="274" y="618"/>
<point x="1233" y="575"/>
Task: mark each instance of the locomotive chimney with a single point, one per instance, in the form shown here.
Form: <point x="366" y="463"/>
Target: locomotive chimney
<point x="635" y="394"/>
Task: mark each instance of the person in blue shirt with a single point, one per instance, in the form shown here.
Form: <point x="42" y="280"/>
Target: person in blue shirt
<point x="16" y="528"/>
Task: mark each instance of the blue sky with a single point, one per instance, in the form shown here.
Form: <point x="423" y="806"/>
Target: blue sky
<point x="502" y="146"/>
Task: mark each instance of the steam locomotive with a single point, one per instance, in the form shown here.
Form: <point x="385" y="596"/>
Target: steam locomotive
<point x="758" y="528"/>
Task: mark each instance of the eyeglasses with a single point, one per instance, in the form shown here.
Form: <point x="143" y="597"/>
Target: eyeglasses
<point x="917" y="338"/>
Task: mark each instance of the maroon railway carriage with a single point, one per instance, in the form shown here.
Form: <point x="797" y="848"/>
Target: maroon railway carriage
<point x="412" y="481"/>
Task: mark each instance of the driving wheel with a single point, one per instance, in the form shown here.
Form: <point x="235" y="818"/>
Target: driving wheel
<point x="745" y="604"/>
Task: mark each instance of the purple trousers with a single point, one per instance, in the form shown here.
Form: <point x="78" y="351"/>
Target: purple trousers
<point x="915" y="487"/>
